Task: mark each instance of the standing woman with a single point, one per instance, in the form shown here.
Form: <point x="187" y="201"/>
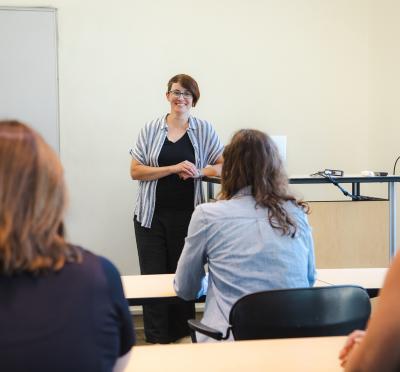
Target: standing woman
<point x="171" y="155"/>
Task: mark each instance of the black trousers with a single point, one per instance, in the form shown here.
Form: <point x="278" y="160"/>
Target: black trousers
<point x="159" y="249"/>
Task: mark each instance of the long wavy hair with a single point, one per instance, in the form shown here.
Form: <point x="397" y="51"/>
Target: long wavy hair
<point x="32" y="204"/>
<point x="252" y="159"/>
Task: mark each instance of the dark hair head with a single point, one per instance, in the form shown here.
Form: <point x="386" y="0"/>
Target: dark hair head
<point x="252" y="159"/>
<point x="32" y="203"/>
<point x="188" y="83"/>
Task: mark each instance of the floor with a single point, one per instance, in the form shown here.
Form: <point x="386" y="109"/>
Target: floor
<point x="139" y="330"/>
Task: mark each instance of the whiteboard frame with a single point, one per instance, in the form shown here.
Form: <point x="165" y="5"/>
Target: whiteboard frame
<point x="55" y="141"/>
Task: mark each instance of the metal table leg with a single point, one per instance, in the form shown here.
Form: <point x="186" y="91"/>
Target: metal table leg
<point x="392" y="219"/>
<point x="210" y="191"/>
<point x="355" y="189"/>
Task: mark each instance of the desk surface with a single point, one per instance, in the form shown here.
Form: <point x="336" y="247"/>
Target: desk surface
<point x="296" y="354"/>
<point x="142" y="289"/>
<point x="369" y="278"/>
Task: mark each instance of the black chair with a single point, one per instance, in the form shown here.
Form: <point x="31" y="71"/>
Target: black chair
<point x="297" y="312"/>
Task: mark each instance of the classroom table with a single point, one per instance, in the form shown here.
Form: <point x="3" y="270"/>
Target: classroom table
<point x="145" y="289"/>
<point x="370" y="278"/>
<point x="314" y="354"/>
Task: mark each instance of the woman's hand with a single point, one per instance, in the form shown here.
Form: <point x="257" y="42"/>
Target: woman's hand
<point x="142" y="172"/>
<point x="185" y="169"/>
<point x="353" y="339"/>
<point x="185" y="176"/>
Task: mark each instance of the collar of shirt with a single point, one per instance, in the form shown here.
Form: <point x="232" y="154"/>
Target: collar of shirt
<point x="243" y="192"/>
<point x="164" y="124"/>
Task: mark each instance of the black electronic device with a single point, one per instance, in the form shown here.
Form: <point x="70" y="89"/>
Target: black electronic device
<point x="380" y="174"/>
<point x="333" y="172"/>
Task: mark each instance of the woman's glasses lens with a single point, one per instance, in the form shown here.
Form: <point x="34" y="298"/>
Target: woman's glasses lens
<point x="178" y="93"/>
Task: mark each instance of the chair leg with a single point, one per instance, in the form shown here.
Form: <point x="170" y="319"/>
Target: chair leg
<point x="193" y="336"/>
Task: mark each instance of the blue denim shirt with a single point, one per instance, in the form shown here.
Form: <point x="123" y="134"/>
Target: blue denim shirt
<point x="244" y="255"/>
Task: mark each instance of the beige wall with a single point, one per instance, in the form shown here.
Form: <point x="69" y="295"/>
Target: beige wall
<point x="322" y="72"/>
<point x="384" y="138"/>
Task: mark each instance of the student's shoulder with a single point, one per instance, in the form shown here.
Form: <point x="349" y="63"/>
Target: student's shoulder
<point x="299" y="214"/>
<point x="220" y="208"/>
<point x="97" y="266"/>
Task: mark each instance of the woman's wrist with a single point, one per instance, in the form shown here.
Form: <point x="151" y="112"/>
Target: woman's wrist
<point x="200" y="173"/>
<point x="170" y="169"/>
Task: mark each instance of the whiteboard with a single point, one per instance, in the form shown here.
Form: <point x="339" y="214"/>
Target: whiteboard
<point x="280" y="142"/>
<point x="28" y="69"/>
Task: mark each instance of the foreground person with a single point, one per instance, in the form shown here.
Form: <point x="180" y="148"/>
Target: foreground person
<point x="377" y="349"/>
<point x="62" y="308"/>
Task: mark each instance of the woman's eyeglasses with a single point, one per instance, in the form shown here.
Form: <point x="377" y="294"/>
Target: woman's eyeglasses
<point x="178" y="93"/>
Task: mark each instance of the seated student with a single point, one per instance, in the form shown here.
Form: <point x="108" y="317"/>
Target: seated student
<point x="377" y="349"/>
<point x="62" y="308"/>
<point x="256" y="237"/>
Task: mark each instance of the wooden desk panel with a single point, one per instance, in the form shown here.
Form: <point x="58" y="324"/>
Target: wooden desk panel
<point x="350" y="234"/>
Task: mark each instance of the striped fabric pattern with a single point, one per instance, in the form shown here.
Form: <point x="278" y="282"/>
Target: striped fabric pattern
<point x="207" y="149"/>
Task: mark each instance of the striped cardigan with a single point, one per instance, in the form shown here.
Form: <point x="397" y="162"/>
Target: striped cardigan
<point x="207" y="149"/>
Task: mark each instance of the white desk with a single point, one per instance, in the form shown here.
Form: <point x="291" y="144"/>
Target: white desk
<point x="296" y="354"/>
<point x="143" y="289"/>
<point x="370" y="278"/>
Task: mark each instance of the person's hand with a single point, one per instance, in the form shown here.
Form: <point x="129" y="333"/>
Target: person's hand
<point x="353" y="339"/>
<point x="184" y="169"/>
<point x="185" y="176"/>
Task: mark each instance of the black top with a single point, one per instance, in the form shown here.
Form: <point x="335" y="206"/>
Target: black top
<point x="173" y="192"/>
<point x="76" y="319"/>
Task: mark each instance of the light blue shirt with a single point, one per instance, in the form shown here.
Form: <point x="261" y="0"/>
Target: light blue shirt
<point x="244" y="255"/>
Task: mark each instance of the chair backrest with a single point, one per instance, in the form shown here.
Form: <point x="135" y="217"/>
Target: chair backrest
<point x="300" y="312"/>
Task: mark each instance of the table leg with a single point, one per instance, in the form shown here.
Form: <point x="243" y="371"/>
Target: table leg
<point x="392" y="219"/>
<point x="355" y="189"/>
<point x="210" y="191"/>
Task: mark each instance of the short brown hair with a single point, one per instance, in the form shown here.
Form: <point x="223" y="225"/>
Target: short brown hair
<point x="252" y="159"/>
<point x="32" y="203"/>
<point x="188" y="83"/>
